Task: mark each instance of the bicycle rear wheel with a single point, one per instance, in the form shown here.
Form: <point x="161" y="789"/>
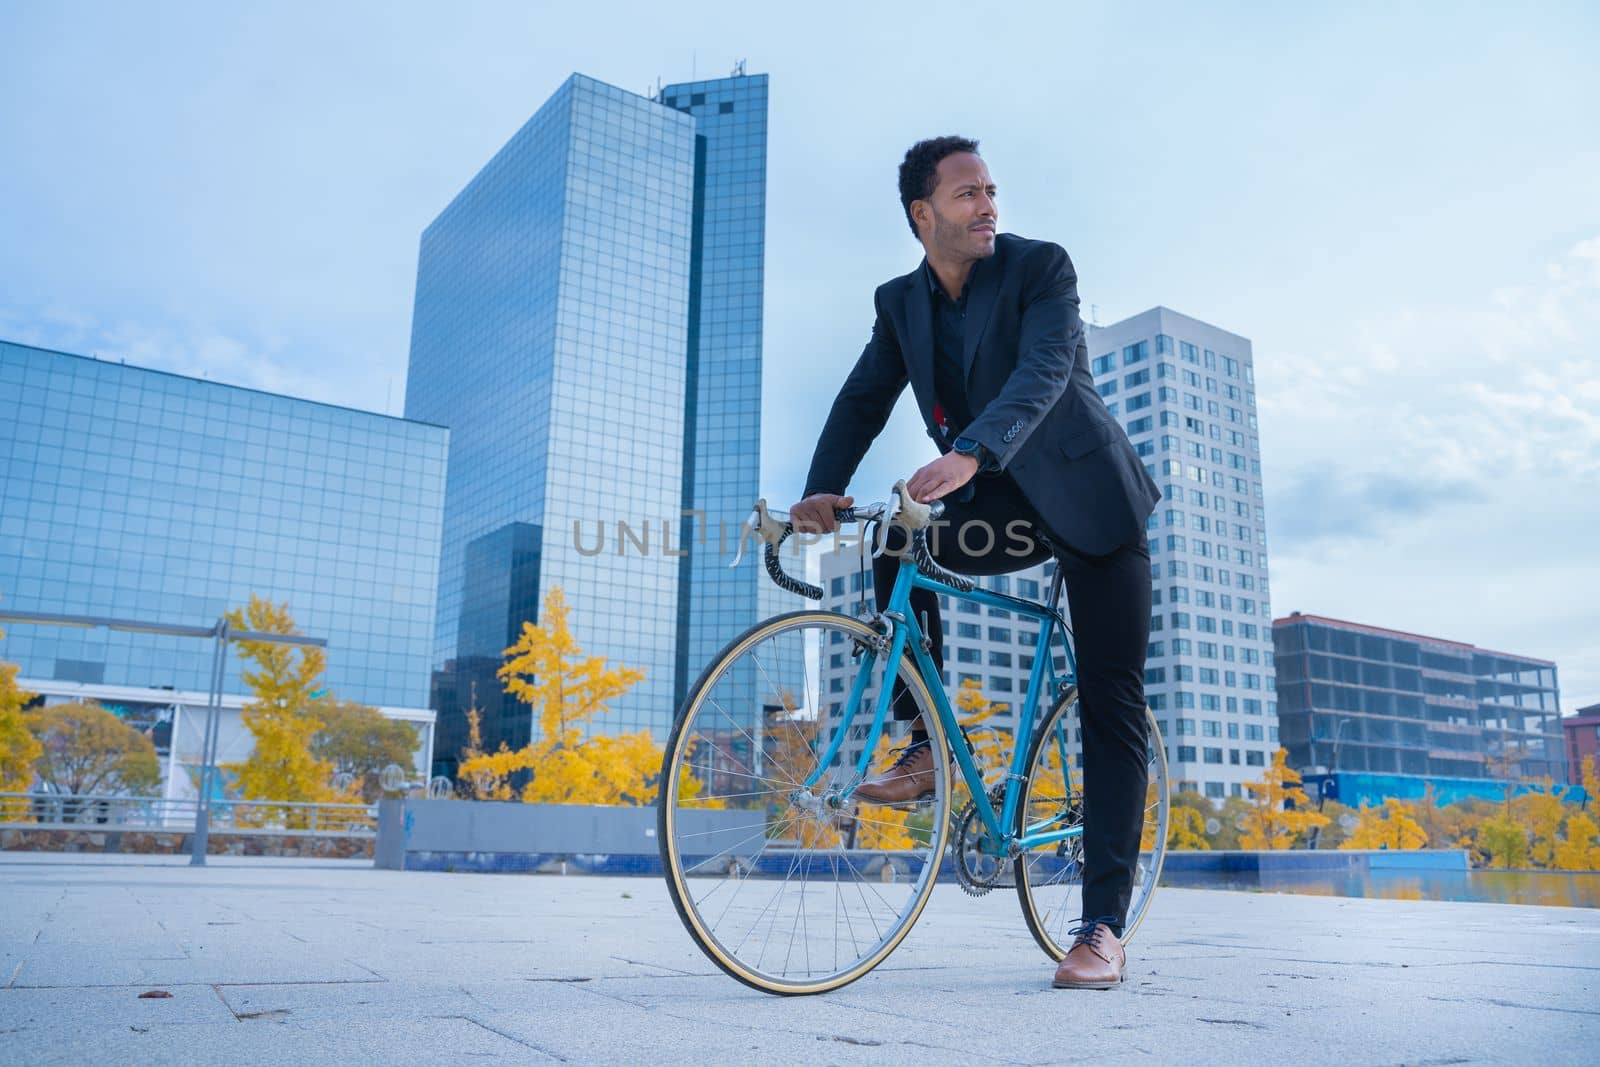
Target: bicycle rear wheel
<point x="1050" y="877"/>
<point x="783" y="886"/>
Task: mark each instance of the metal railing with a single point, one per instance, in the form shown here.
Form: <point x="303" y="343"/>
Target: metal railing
<point x="63" y="811"/>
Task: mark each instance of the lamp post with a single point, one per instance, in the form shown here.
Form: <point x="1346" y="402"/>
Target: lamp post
<point x="1322" y="789"/>
<point x="221" y="634"/>
<point x="1338" y="734"/>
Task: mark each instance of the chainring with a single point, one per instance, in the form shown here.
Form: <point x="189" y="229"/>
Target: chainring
<point x="977" y="872"/>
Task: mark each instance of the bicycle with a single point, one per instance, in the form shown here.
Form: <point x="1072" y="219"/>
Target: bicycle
<point x="757" y="780"/>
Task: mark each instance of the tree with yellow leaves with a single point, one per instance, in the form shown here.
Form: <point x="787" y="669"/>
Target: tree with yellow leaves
<point x="1540" y="810"/>
<point x="567" y="690"/>
<point x="487" y="780"/>
<point x="989" y="744"/>
<point x="1268" y="823"/>
<point x="283" y="717"/>
<point x="1504" y="842"/>
<point x="1579" y="850"/>
<point x="790" y="743"/>
<point x="19" y="749"/>
<point x="1390" y="825"/>
<point x="1591" y="784"/>
<point x="1186" y="828"/>
<point x="883" y="828"/>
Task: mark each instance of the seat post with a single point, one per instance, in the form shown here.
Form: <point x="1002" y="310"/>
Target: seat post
<point x="1053" y="601"/>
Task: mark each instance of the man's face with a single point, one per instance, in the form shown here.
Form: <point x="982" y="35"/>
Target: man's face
<point x="962" y="209"/>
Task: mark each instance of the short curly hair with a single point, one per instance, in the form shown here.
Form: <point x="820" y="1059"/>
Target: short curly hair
<point x="919" y="171"/>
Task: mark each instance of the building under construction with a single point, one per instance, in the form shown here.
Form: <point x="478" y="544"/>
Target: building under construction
<point x="1400" y="709"/>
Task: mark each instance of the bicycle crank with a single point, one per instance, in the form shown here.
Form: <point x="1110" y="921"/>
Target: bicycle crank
<point x="977" y="871"/>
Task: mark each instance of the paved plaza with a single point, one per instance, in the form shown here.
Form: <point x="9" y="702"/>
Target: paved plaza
<point x="272" y="961"/>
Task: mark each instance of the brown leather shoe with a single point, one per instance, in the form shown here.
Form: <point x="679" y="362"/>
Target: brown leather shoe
<point x="909" y="779"/>
<point x="1095" y="961"/>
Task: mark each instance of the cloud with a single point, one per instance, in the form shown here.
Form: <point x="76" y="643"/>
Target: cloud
<point x="1329" y="505"/>
<point x="1438" y="470"/>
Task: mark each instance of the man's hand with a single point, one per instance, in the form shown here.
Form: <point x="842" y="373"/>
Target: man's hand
<point x="944" y="475"/>
<point x="814" y="514"/>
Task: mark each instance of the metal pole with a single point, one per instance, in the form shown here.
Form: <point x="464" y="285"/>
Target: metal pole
<point x="208" y="750"/>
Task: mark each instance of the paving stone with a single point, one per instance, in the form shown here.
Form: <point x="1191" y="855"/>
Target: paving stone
<point x="295" y="961"/>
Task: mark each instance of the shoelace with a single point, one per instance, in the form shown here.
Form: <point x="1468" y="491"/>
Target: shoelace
<point x="1084" y="932"/>
<point x="908" y="752"/>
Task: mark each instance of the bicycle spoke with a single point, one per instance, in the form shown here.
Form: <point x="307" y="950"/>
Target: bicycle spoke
<point x="1051" y="883"/>
<point x="803" y="911"/>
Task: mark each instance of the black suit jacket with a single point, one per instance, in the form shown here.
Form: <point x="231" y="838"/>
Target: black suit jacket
<point x="1028" y="384"/>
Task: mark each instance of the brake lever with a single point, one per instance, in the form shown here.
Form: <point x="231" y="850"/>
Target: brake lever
<point x="746" y="528"/>
<point x="763" y="523"/>
<point x="891" y="508"/>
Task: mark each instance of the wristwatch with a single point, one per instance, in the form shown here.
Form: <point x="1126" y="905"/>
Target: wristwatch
<point x="968" y="447"/>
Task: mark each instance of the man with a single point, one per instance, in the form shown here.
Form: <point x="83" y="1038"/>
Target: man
<point x="986" y="331"/>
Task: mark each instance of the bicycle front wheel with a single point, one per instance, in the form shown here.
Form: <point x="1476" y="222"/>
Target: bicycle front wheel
<point x="1050" y="877"/>
<point x="781" y="881"/>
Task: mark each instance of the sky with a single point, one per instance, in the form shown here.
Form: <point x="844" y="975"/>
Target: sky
<point x="1398" y="204"/>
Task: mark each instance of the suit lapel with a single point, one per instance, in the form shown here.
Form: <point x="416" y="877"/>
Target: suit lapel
<point x="919" y="337"/>
<point x="980" y="301"/>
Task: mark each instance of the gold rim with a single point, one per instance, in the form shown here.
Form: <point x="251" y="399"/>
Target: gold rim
<point x="708" y="941"/>
<point x="1035" y="922"/>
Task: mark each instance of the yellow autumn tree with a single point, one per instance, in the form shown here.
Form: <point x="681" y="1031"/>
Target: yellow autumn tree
<point x="989" y="744"/>
<point x="1269" y="824"/>
<point x="1186" y="828"/>
<point x="567" y="691"/>
<point x="19" y="749"/>
<point x="487" y="780"/>
<point x="882" y="828"/>
<point x="789" y="752"/>
<point x="1504" y="842"/>
<point x="1389" y="825"/>
<point x="1541" y="812"/>
<point x="282" y="718"/>
<point x="1579" y="849"/>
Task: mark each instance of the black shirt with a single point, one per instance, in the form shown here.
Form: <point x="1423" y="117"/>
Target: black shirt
<point x="949" y="341"/>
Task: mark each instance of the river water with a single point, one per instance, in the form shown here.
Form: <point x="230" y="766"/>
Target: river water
<point x="1569" y="889"/>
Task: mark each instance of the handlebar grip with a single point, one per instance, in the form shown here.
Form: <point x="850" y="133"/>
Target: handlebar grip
<point x="923" y="558"/>
<point x="920" y="555"/>
<point x="781" y="578"/>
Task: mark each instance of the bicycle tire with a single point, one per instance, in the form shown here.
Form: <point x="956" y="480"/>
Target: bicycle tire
<point x="674" y="859"/>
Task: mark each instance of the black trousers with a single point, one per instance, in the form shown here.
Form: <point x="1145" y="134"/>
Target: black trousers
<point x="995" y="531"/>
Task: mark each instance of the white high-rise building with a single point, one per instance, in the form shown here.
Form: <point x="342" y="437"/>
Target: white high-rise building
<point x="1185" y="391"/>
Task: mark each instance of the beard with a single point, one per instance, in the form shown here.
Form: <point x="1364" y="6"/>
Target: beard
<point x="955" y="237"/>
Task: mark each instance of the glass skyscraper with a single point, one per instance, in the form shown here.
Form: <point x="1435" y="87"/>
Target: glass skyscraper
<point x="722" y="386"/>
<point x="138" y="495"/>
<point x="588" y="324"/>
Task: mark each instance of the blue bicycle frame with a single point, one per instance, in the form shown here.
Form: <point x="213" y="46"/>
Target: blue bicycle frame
<point x="907" y="632"/>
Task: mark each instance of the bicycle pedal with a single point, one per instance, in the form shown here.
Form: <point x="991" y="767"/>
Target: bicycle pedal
<point x="900" y="805"/>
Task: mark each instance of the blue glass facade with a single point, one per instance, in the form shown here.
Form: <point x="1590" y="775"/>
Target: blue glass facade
<point x="133" y="493"/>
<point x="722" y="424"/>
<point x="587" y="323"/>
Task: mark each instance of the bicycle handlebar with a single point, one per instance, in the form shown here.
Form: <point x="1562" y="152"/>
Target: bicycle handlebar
<point x="912" y="515"/>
